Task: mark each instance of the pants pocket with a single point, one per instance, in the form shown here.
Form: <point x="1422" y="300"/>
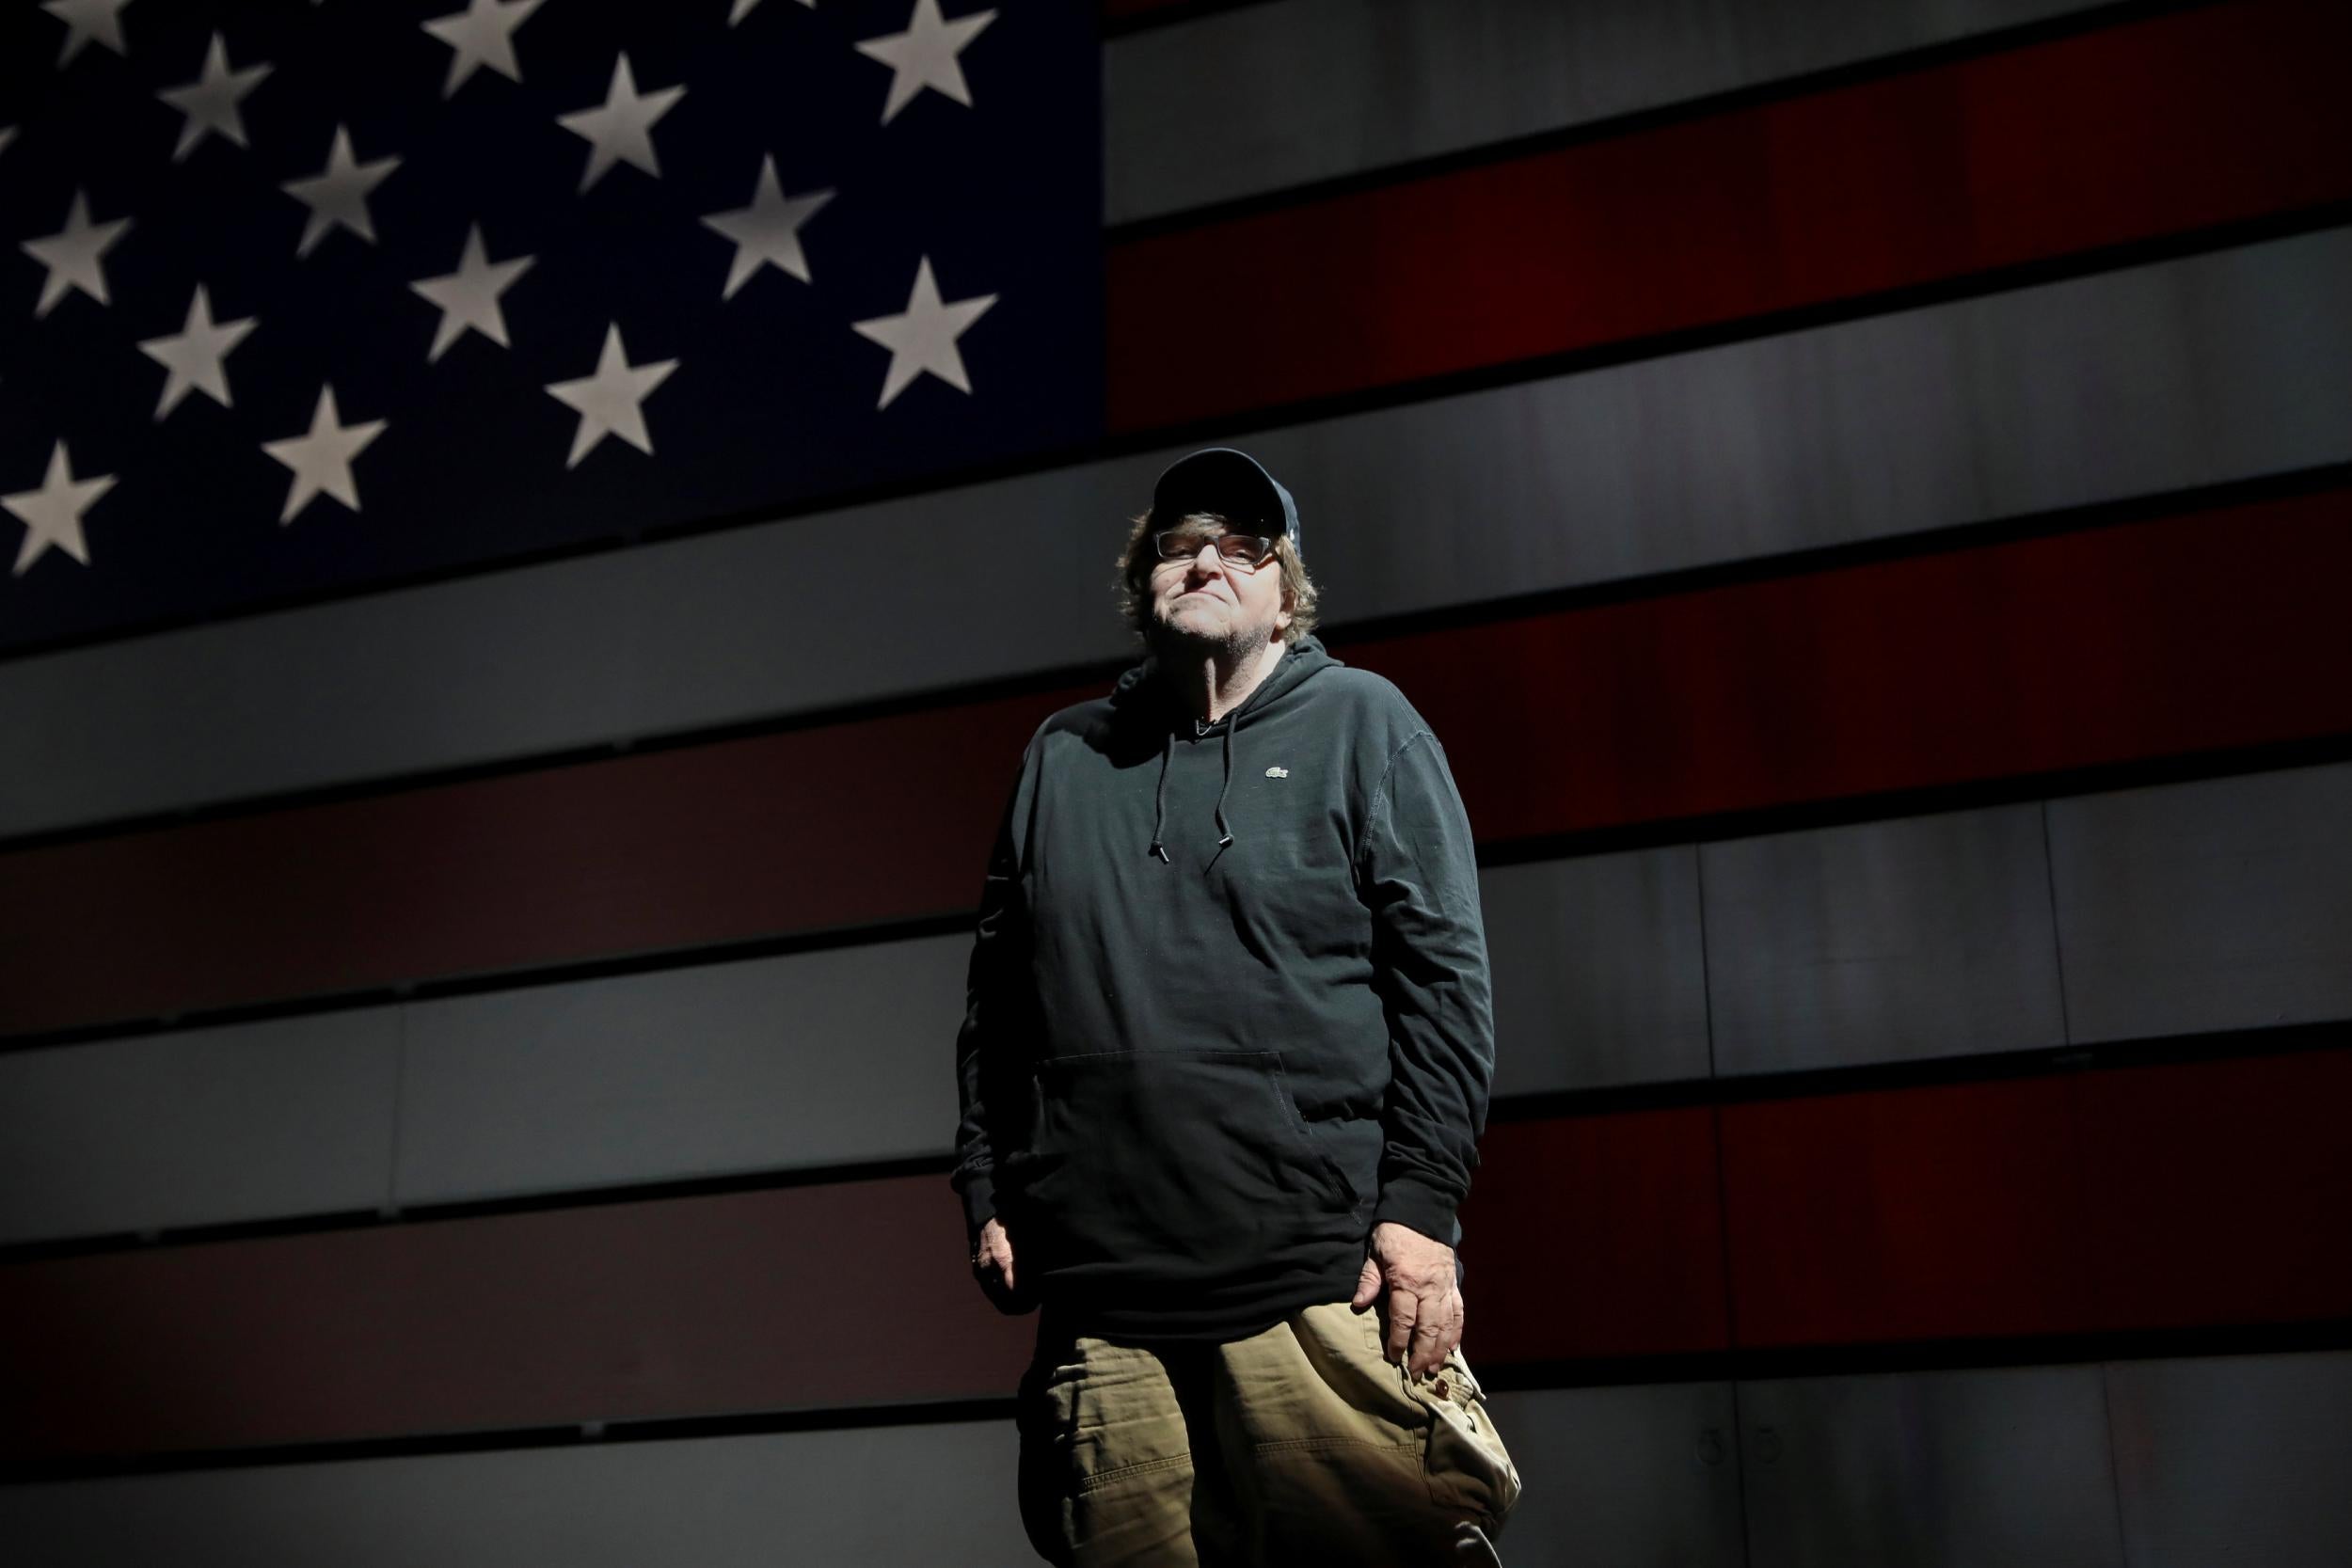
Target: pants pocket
<point x="1469" y="1464"/>
<point x="1469" y="1467"/>
<point x="1105" y="1464"/>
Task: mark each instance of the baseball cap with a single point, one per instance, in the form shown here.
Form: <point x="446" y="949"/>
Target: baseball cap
<point x="1230" y="483"/>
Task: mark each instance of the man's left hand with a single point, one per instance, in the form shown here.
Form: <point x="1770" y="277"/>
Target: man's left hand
<point x="1424" y="1302"/>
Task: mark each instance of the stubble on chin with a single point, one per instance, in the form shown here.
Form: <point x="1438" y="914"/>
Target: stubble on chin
<point x="1176" y="640"/>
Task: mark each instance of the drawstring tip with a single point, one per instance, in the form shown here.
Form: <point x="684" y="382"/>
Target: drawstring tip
<point x="1226" y="840"/>
<point x="1162" y="853"/>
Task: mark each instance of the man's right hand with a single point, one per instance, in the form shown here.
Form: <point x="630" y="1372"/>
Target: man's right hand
<point x="991" y="1265"/>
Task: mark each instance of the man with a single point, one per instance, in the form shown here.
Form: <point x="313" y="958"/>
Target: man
<point x="1224" y="1065"/>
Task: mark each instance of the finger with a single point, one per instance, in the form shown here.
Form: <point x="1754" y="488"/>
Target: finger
<point x="1403" y="1310"/>
<point x="1004" y="1249"/>
<point x="1428" y="1343"/>
<point x="1429" y="1334"/>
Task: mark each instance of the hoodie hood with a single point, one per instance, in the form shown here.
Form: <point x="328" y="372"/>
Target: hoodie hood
<point x="1142" y="697"/>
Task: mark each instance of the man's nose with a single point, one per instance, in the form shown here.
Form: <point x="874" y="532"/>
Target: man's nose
<point x="1216" y="556"/>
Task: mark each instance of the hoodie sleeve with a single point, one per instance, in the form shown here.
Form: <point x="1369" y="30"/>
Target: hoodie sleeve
<point x="1420" y="876"/>
<point x="994" y="992"/>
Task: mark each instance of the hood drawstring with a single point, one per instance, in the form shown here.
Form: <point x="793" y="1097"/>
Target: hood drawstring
<point x="1159" y="799"/>
<point x="1138" y="688"/>
<point x="1159" y="796"/>
<point x="1221" y="828"/>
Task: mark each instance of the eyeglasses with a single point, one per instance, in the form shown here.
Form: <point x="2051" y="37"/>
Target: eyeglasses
<point x="1248" y="551"/>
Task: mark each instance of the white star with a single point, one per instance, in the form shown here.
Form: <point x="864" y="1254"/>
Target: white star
<point x="339" y="193"/>
<point x="321" y="460"/>
<point x="210" y="102"/>
<point x="623" y="126"/>
<point x="744" y="9"/>
<point x="923" y="337"/>
<point x="469" y="296"/>
<point x="924" y="54"/>
<point x="607" y="400"/>
<point x="53" y="513"/>
<point x="766" y="231"/>
<point x="100" y="20"/>
<point x="193" y="355"/>
<point x="482" y="34"/>
<point x="72" y="255"/>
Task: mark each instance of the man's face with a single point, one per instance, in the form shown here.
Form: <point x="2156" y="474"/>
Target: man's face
<point x="1206" y="601"/>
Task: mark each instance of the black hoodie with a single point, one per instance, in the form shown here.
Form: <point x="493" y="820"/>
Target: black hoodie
<point x="1228" y="1004"/>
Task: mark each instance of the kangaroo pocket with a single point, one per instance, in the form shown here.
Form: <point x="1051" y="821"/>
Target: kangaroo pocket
<point x="1171" y="1168"/>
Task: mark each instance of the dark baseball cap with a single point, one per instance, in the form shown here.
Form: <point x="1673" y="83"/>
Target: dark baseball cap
<point x="1231" y="484"/>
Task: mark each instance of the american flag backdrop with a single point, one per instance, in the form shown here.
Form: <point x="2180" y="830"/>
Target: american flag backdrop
<point x="1862" y="488"/>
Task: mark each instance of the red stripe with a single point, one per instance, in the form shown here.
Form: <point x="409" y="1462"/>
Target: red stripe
<point x="1595" y="1236"/>
<point x="800" y="1298"/>
<point x="1918" y="1214"/>
<point x="2201" y="1193"/>
<point x="2122" y="1200"/>
<point x="2226" y="1192"/>
<point x="815" y="828"/>
<point x="2130" y="133"/>
<point x="2151" y="640"/>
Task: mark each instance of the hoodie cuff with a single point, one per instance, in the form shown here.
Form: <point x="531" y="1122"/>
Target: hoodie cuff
<point x="1417" y="1206"/>
<point x="979" y="1205"/>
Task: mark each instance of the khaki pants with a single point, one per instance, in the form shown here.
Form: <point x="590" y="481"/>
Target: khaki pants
<point x="1299" y="1446"/>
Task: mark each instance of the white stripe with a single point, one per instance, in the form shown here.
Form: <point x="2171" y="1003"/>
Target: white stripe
<point x="1882" y="941"/>
<point x="932" y="1493"/>
<point x="2224" y="905"/>
<point x="2233" y="1459"/>
<point x="1263" y="98"/>
<point x="2217" y="1459"/>
<point x="2016" y="1459"/>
